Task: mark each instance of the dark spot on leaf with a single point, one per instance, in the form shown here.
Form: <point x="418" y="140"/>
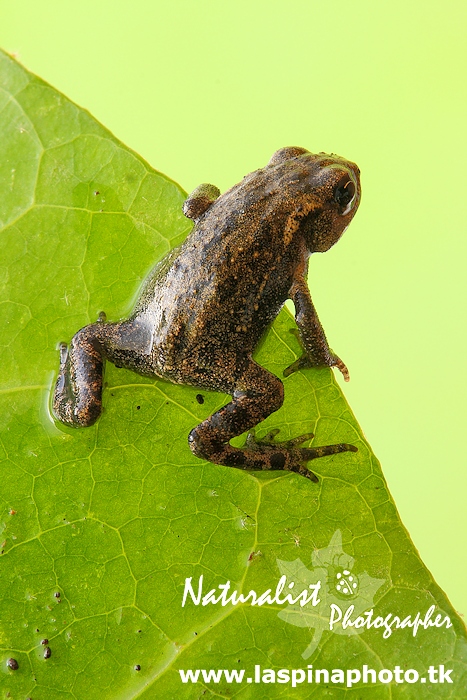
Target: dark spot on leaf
<point x="254" y="555"/>
<point x="200" y="398"/>
<point x="13" y="664"/>
<point x="44" y="641"/>
<point x="47" y="653"/>
<point x="57" y="594"/>
<point x="137" y="667"/>
<point x="138" y="407"/>
<point x="96" y="193"/>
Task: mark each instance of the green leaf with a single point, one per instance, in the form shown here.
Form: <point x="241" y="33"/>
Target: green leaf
<point x="335" y="568"/>
<point x="116" y="517"/>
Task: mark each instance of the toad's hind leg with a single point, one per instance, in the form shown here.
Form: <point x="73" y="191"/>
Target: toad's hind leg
<point x="256" y="395"/>
<point x="77" y="399"/>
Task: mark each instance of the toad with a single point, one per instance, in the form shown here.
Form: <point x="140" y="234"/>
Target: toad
<point x="205" y="306"/>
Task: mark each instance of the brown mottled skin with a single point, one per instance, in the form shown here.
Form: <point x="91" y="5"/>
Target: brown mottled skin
<point x="206" y="305"/>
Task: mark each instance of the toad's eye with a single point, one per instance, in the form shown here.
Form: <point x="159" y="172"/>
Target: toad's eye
<point x="344" y="194"/>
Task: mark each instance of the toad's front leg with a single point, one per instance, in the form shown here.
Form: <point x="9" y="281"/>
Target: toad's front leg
<point x="256" y="395"/>
<point x="317" y="351"/>
<point x="77" y="399"/>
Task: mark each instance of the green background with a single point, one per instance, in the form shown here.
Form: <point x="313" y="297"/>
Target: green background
<point x="206" y="91"/>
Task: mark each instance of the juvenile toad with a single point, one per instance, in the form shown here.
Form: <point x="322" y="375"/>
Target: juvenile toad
<point x="206" y="305"/>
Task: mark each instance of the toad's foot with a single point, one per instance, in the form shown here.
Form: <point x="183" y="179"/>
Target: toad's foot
<point x="297" y="456"/>
<point x="268" y="440"/>
<point x="267" y="455"/>
<point x="321" y="356"/>
<point x="304" y="362"/>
